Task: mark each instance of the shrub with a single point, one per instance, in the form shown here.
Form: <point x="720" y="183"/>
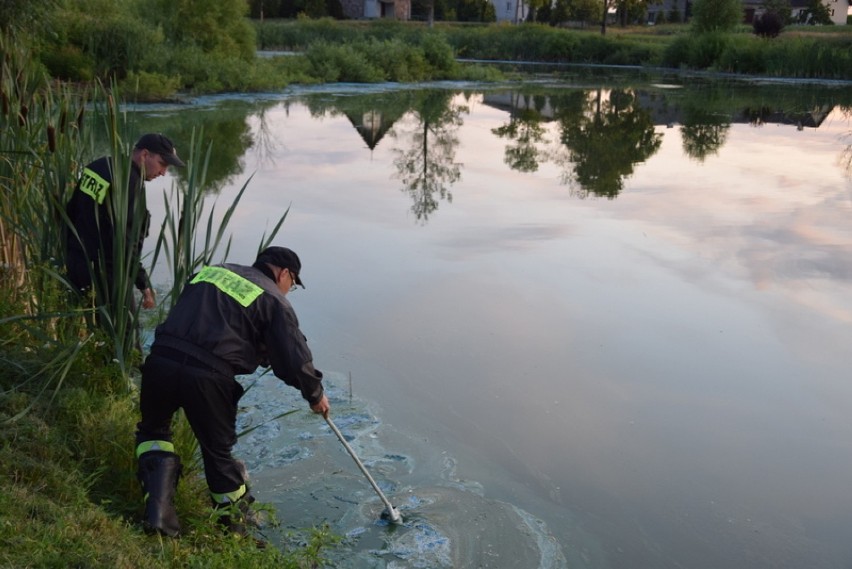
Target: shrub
<point x="438" y="54"/>
<point x="115" y="43"/>
<point x="745" y="54"/>
<point x="701" y="51"/>
<point x="333" y="63"/>
<point x="716" y="15"/>
<point x="144" y="86"/>
<point x="397" y="61"/>
<point x="70" y="63"/>
<point x="768" y="25"/>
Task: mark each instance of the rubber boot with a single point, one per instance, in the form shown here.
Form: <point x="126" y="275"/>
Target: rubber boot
<point x="236" y="517"/>
<point x="159" y="472"/>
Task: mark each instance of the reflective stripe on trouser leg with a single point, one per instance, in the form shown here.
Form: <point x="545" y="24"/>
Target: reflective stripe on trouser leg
<point x="146" y="446"/>
<point x="229" y="497"/>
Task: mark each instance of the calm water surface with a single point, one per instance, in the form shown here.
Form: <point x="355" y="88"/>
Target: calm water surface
<point x="622" y="315"/>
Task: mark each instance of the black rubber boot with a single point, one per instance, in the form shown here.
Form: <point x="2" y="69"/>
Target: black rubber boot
<point x="159" y="472"/>
<point x="237" y="517"/>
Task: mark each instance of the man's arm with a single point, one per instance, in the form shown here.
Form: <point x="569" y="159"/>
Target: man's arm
<point x="291" y="359"/>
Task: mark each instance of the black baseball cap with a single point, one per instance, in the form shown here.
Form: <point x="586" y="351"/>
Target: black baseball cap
<point x="160" y="144"/>
<point x="283" y="258"/>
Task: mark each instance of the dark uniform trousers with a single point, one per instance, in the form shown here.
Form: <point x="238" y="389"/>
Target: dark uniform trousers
<point x="209" y="400"/>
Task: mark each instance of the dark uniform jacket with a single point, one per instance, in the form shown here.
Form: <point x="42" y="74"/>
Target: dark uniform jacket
<point x="234" y="319"/>
<point x="89" y="212"/>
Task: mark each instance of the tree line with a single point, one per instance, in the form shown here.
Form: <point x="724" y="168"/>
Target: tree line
<point x="778" y="13"/>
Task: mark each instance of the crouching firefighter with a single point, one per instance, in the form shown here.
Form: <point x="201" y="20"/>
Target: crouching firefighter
<point x="228" y="320"/>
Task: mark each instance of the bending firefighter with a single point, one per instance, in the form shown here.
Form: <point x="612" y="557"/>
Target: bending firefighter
<point x="229" y="320"/>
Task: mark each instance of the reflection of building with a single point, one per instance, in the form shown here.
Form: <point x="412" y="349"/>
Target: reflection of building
<point x="664" y="111"/>
<point x="392" y="9"/>
<point x="809" y="119"/>
<point x="371" y="125"/>
<point x="512" y="102"/>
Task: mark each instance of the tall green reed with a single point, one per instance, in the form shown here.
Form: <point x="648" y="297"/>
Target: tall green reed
<point x="185" y="240"/>
<point x="42" y="126"/>
<point x="39" y="152"/>
<point x="41" y="156"/>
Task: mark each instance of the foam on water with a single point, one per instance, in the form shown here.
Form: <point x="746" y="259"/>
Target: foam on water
<point x="299" y="467"/>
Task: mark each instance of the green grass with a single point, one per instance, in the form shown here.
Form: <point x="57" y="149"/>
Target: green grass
<point x="68" y="494"/>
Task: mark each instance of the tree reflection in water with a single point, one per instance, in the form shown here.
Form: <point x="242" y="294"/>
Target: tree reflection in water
<point x="602" y="136"/>
<point x="526" y="130"/>
<point x="596" y="137"/>
<point x="608" y="140"/>
<point x="425" y="158"/>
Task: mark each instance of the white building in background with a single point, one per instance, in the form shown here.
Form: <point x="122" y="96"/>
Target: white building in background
<point x="513" y="11"/>
<point x="837" y="9"/>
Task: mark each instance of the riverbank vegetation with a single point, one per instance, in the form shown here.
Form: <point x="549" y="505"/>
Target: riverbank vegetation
<point x="797" y="53"/>
<point x="69" y="373"/>
<point x="159" y="50"/>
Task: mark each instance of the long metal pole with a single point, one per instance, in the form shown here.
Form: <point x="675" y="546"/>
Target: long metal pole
<point x="394" y="515"/>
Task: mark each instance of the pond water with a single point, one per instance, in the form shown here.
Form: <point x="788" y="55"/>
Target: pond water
<point x="565" y="323"/>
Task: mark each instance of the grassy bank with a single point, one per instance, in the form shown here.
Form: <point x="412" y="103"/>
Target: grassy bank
<point x="152" y="58"/>
<point x="799" y="52"/>
<point x="68" y="495"/>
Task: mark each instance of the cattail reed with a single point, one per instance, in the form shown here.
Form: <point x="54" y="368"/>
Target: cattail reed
<point x="51" y="139"/>
<point x="22" y="115"/>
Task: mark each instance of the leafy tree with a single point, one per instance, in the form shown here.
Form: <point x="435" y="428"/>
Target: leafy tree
<point x="584" y="10"/>
<point x="816" y="13"/>
<point x="542" y="13"/>
<point x="781" y="8"/>
<point x="259" y="9"/>
<point x="674" y="16"/>
<point x="25" y="16"/>
<point x="100" y="38"/>
<point x="475" y="11"/>
<point x="716" y="15"/>
<point x="532" y="7"/>
<point x="315" y="8"/>
<point x="768" y="25"/>
<point x="423" y="10"/>
<point x="631" y="10"/>
<point x="215" y="26"/>
<point x="290" y="8"/>
<point x="559" y="13"/>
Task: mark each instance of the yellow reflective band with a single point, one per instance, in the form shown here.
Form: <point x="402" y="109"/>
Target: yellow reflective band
<point x="227" y="497"/>
<point x="94" y="186"/>
<point x="147" y="446"/>
<point x="239" y="288"/>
